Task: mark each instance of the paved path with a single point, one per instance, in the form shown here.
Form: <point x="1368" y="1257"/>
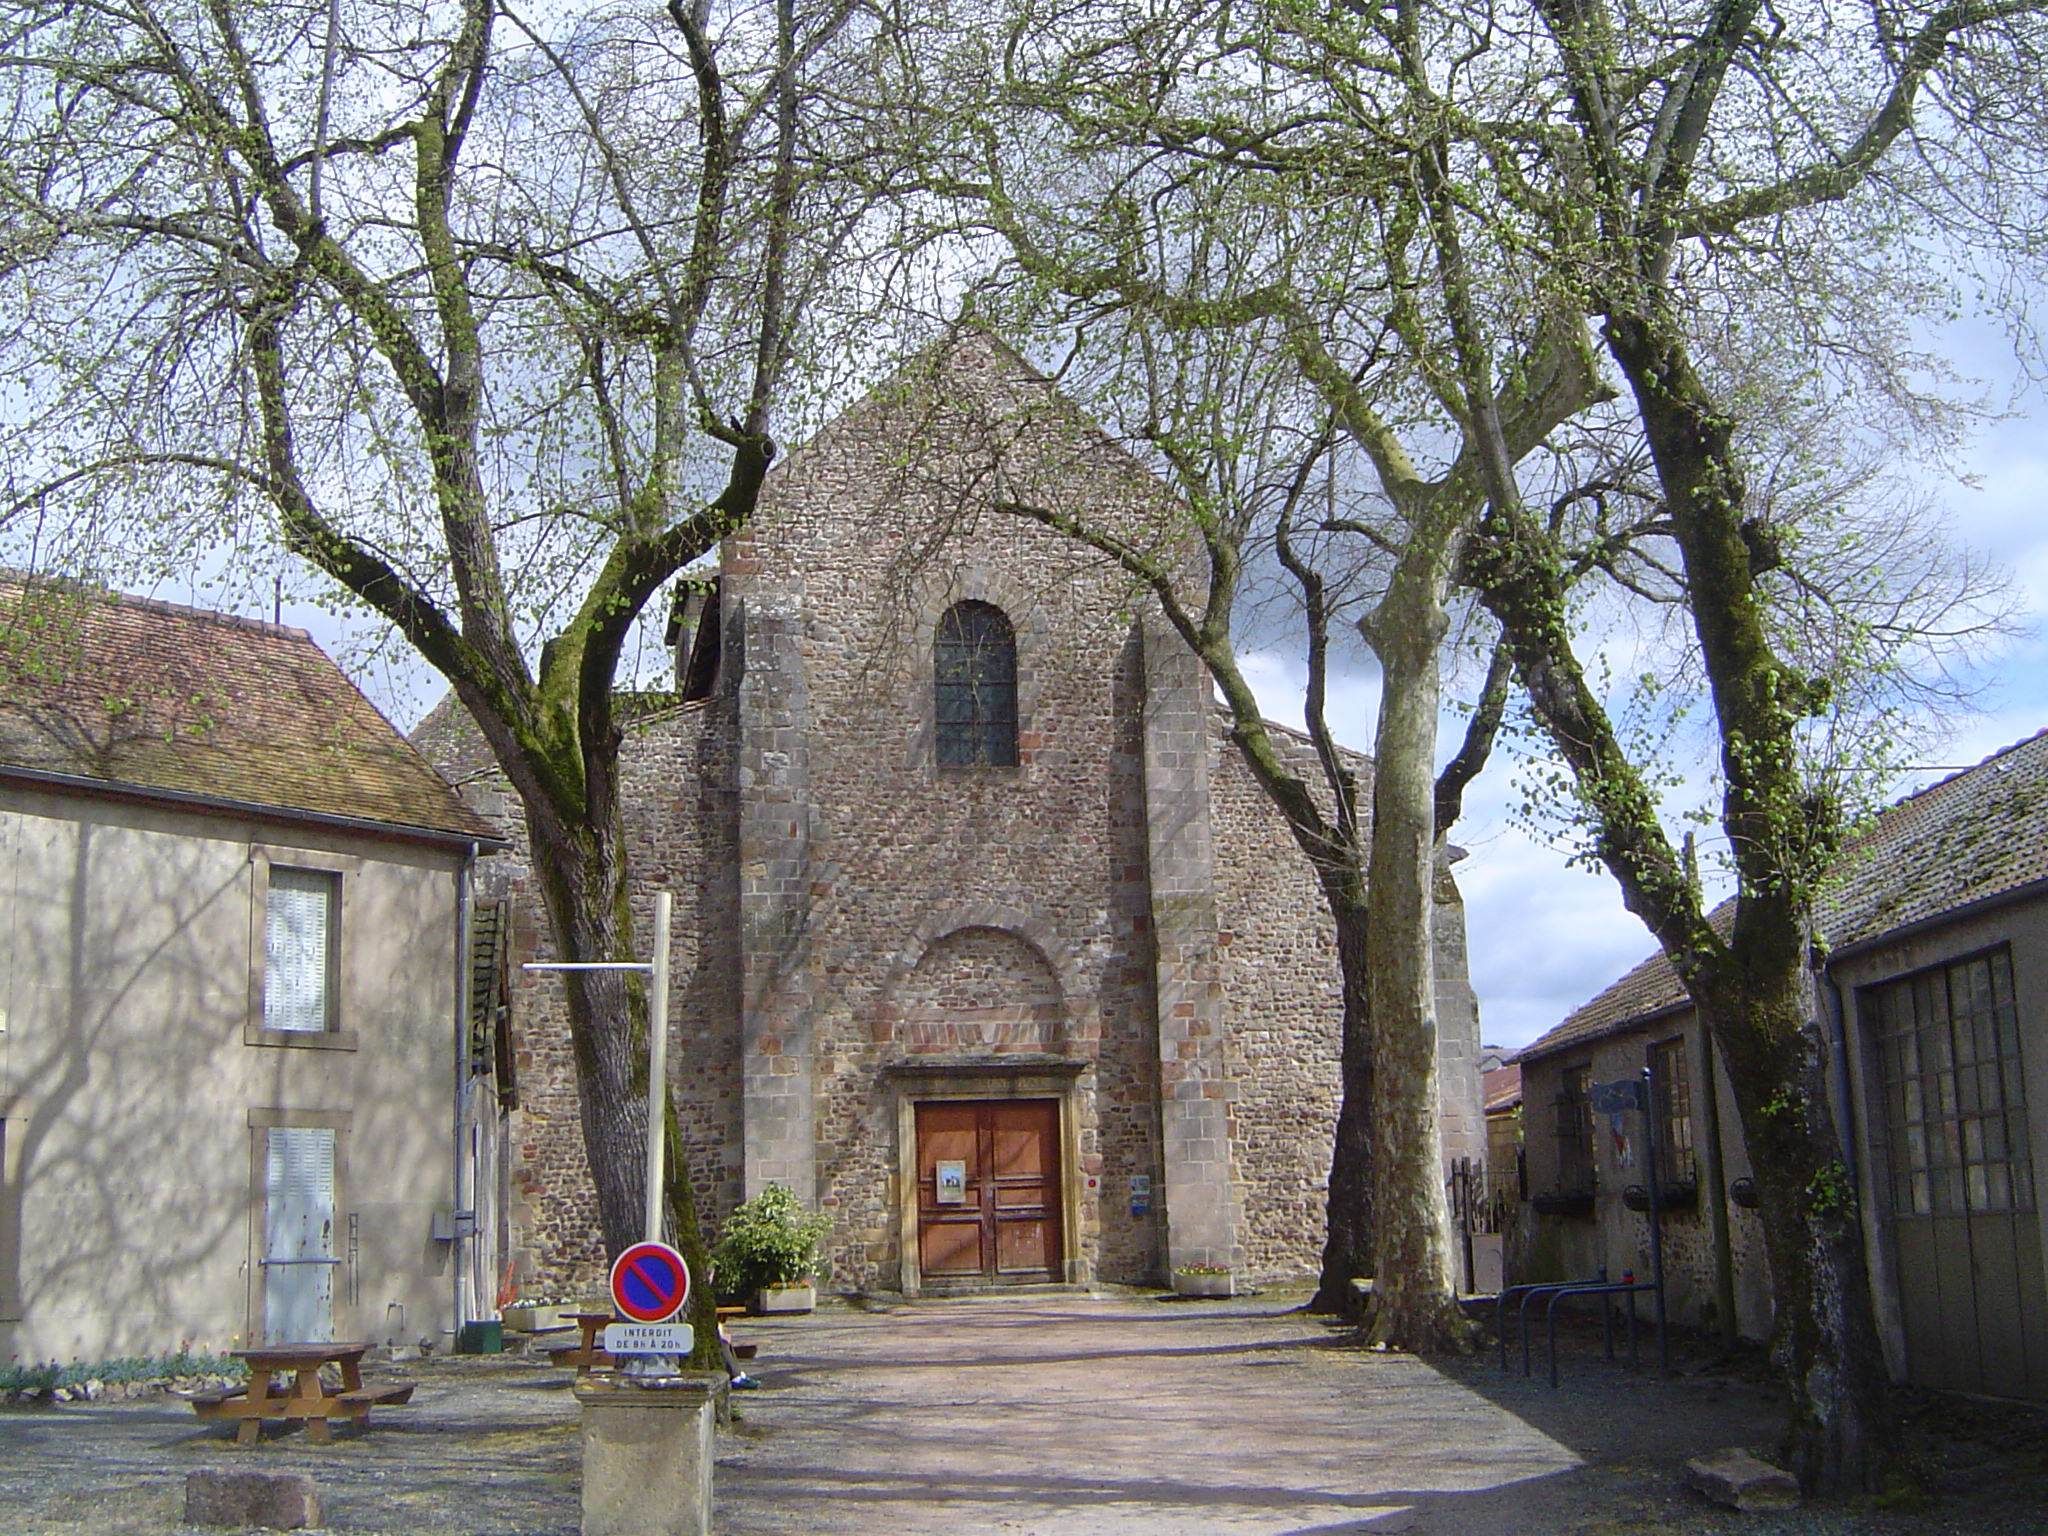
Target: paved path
<point x="1038" y="1416"/>
<point x="1062" y="1416"/>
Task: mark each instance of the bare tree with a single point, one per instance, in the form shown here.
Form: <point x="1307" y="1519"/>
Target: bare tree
<point x="486" y="321"/>
<point x="1721" y="158"/>
<point x="1179" y="225"/>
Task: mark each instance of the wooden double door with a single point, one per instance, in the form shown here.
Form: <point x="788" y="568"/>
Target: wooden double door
<point x="988" y="1191"/>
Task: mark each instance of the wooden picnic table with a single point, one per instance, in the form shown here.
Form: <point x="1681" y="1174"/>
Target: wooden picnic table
<point x="305" y="1398"/>
<point x="586" y="1356"/>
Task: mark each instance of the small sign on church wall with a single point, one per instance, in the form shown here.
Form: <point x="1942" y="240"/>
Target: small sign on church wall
<point x="951" y="1180"/>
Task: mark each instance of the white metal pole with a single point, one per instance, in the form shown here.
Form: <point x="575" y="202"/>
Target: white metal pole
<point x="657" y="1064"/>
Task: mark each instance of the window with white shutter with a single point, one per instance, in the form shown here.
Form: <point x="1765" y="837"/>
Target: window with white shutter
<point x="301" y="915"/>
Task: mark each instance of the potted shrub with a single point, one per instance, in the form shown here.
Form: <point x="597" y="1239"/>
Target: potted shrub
<point x="1204" y="1280"/>
<point x="766" y="1253"/>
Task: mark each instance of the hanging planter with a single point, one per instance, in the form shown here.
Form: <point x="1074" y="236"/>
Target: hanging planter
<point x="1682" y="1196"/>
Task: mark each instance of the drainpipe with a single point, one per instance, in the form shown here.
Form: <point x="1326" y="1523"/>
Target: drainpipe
<point x="462" y="1250"/>
<point x="1841" y="1105"/>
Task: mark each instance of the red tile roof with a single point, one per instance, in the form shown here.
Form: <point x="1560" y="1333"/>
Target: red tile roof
<point x="1501" y="1088"/>
<point x="158" y="697"/>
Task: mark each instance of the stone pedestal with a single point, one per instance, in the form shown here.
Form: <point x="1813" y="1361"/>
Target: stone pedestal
<point x="647" y="1457"/>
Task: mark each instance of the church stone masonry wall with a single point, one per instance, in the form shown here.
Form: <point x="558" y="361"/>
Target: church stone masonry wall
<point x="1125" y="899"/>
<point x="903" y="854"/>
<point x="1197" y="1087"/>
<point x="1284" y="1001"/>
<point x="779" y="1002"/>
<point x="1283" y="997"/>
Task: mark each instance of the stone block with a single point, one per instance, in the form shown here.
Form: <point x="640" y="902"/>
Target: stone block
<point x="280" y="1501"/>
<point x="1737" y="1479"/>
<point x="647" y="1458"/>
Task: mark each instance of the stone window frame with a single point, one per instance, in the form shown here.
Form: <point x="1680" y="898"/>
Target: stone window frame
<point x="1677" y="1133"/>
<point x="340" y="1034"/>
<point x="1576" y="1161"/>
<point x="931" y="598"/>
<point x="975" y="646"/>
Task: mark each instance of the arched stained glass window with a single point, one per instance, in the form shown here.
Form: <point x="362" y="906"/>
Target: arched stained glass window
<point x="974" y="671"/>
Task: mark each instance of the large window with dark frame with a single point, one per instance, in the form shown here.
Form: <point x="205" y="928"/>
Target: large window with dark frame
<point x="974" y="669"/>
<point x="1574" y="1107"/>
<point x="1671" y="1069"/>
<point x="1955" y="1105"/>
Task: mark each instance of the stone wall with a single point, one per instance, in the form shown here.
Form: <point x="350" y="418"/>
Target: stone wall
<point x="900" y="874"/>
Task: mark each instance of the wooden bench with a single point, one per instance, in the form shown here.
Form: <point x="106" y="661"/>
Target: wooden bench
<point x="377" y="1397"/>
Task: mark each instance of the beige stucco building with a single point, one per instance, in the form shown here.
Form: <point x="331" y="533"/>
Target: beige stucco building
<point x="232" y="1001"/>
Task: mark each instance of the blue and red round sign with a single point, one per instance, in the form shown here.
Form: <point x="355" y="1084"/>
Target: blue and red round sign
<point x="650" y="1283"/>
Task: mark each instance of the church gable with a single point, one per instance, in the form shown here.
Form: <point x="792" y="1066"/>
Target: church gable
<point x="966" y="868"/>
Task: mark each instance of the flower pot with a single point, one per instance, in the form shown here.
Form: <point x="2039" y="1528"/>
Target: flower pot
<point x="526" y="1318"/>
<point x="1204" y="1285"/>
<point x="786" y="1298"/>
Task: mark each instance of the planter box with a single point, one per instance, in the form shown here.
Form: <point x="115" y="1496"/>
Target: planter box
<point x="786" y="1298"/>
<point x="1204" y="1285"/>
<point x="526" y="1319"/>
<point x="1563" y="1202"/>
<point x="1672" y="1197"/>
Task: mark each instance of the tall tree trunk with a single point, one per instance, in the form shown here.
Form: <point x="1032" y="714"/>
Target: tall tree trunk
<point x="1349" y="1225"/>
<point x="1843" y="1434"/>
<point x="1414" y="1305"/>
<point x="585" y="892"/>
<point x="1756" y="997"/>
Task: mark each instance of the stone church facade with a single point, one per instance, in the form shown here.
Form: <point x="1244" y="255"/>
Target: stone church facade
<point x="987" y="942"/>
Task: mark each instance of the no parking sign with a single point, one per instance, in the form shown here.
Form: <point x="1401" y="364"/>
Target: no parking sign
<point x="650" y="1283"/>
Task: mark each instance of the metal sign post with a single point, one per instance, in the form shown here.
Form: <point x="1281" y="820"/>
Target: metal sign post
<point x="653" y="1364"/>
<point x="657" y="1048"/>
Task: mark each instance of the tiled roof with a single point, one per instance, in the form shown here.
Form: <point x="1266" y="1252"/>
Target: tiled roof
<point x="158" y="697"/>
<point x="1973" y="836"/>
<point x="1501" y="1088"/>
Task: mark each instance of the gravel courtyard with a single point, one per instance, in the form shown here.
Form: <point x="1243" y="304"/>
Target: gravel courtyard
<point x="1054" y="1415"/>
